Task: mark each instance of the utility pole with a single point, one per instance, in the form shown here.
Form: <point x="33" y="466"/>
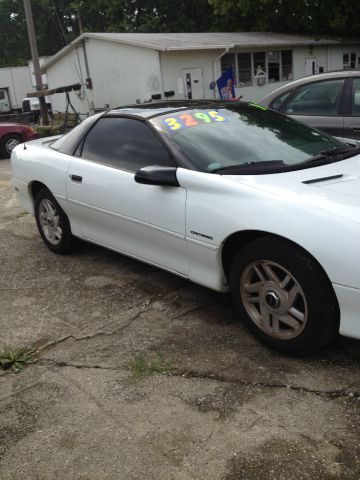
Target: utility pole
<point x="80" y="23"/>
<point x="35" y="60"/>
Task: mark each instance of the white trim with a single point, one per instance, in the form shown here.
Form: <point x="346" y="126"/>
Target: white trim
<point x="157" y="46"/>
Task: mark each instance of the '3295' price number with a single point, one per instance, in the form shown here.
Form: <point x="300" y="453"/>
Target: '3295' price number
<point x="186" y="120"/>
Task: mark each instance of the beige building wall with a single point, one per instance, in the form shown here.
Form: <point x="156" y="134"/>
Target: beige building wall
<point x="120" y="74"/>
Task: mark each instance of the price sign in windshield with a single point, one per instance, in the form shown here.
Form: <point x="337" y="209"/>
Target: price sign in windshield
<point x="188" y="120"/>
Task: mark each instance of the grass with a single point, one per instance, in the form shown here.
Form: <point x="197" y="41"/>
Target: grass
<point x="17" y="359"/>
<point x="145" y="367"/>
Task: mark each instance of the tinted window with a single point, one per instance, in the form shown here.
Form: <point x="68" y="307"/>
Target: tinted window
<point x="229" y="136"/>
<point x="68" y="143"/>
<point x="124" y="143"/>
<point x="320" y="98"/>
<point x="279" y="101"/>
<point x="356" y="97"/>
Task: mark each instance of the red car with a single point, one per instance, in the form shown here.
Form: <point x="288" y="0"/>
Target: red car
<point x="11" y="134"/>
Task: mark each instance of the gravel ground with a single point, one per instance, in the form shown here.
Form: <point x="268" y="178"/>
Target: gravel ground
<point x="142" y="375"/>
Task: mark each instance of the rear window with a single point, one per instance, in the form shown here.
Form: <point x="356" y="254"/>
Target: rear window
<point x="68" y="142"/>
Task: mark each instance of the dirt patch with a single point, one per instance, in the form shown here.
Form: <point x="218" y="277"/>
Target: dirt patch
<point x="279" y="459"/>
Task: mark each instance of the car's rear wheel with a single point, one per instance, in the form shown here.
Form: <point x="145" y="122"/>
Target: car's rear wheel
<point x="52" y="223"/>
<point x="8" y="143"/>
<point x="284" y="296"/>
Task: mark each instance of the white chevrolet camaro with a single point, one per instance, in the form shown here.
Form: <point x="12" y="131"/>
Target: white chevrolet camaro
<point x="230" y="195"/>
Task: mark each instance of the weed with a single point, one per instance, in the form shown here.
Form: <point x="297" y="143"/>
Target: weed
<point x="21" y="214"/>
<point x="144" y="367"/>
<point x="17" y="359"/>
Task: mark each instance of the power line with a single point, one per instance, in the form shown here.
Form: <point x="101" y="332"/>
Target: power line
<point x="59" y="22"/>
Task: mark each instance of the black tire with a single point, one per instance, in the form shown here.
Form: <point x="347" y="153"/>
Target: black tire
<point x="63" y="243"/>
<point x="5" y="145"/>
<point x="315" y="300"/>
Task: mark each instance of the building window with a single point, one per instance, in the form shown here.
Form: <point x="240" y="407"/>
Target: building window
<point x="356" y="97"/>
<point x="244" y="69"/>
<point x="287" y="64"/>
<point x="274" y="66"/>
<point x="258" y="68"/>
<point x="227" y="61"/>
<point x="349" y="60"/>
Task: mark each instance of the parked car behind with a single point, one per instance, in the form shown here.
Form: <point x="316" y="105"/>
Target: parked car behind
<point x="329" y="101"/>
<point x="11" y="134"/>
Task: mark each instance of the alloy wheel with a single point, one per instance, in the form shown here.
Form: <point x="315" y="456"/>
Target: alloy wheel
<point x="50" y="222"/>
<point x="273" y="299"/>
<point x="10" y="144"/>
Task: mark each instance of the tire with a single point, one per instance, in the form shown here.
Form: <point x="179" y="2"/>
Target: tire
<point x="53" y="223"/>
<point x="8" y="143"/>
<point x="284" y="296"/>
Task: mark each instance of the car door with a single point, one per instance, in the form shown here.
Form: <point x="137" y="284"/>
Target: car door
<point x="319" y="104"/>
<point x="352" y="116"/>
<point x="144" y="221"/>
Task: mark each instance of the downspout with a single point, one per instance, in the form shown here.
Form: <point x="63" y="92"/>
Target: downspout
<point x="327" y="58"/>
<point x="214" y="65"/>
<point x="161" y="76"/>
<point x="88" y="81"/>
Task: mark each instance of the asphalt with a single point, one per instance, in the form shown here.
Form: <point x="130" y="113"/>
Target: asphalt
<point x="142" y="375"/>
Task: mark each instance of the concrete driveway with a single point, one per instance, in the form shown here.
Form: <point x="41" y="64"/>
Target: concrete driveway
<point x="142" y="375"/>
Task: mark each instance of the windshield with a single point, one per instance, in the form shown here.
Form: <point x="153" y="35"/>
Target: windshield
<point x="242" y="135"/>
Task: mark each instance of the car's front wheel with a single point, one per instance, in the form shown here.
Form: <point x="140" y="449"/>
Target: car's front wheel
<point x="8" y="143"/>
<point x="53" y="223"/>
<point x="284" y="296"/>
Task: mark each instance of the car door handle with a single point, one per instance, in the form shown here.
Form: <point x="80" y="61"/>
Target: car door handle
<point x="75" y="178"/>
<point x="356" y="129"/>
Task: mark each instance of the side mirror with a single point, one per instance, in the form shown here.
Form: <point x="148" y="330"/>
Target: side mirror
<point x="155" y="175"/>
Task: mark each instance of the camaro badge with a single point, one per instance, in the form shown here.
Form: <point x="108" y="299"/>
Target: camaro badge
<point x="201" y="235"/>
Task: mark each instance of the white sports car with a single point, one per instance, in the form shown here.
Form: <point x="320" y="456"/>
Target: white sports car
<point x="229" y="195"/>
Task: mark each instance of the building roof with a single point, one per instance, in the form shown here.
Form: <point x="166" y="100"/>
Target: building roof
<point x="195" y="41"/>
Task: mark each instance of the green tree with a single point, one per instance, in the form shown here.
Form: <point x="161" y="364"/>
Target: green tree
<point x="144" y="15"/>
<point x="52" y="31"/>
<point x="58" y="22"/>
<point x="316" y="17"/>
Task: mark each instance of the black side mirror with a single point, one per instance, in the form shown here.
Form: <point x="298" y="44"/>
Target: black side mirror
<point x="155" y="175"/>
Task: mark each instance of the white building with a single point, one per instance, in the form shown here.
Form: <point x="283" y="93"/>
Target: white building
<point x="120" y="68"/>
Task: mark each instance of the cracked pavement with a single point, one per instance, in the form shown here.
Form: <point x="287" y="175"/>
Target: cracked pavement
<point x="226" y="407"/>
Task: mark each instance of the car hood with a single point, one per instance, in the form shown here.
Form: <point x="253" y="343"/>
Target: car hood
<point x="8" y="125"/>
<point x="334" y="187"/>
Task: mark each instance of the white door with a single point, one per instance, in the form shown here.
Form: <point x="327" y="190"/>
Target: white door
<point x="310" y="66"/>
<point x="4" y="101"/>
<point x="144" y="221"/>
<point x="193" y="83"/>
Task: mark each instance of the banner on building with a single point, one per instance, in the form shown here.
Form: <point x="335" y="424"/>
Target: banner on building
<point x="225" y="85"/>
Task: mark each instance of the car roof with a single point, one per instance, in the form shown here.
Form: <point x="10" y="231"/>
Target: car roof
<point x="309" y="79"/>
<point x="68" y="143"/>
<point x="155" y="109"/>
